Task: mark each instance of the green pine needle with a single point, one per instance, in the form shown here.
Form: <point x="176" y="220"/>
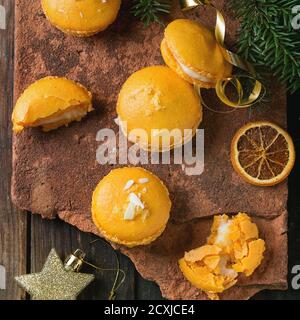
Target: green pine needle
<point x="149" y="11"/>
<point x="267" y="40"/>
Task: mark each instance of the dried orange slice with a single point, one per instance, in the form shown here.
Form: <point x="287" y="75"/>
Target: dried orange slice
<point x="262" y="153"/>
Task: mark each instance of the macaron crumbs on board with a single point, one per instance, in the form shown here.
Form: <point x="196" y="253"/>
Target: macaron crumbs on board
<point x="57" y="172"/>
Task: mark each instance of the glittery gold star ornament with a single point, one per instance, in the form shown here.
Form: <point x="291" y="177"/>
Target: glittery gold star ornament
<point x="57" y="281"/>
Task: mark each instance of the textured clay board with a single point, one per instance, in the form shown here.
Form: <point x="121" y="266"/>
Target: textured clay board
<point x="55" y="173"/>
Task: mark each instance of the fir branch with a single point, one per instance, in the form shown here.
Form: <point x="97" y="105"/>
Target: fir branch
<point x="149" y="11"/>
<point x="267" y="40"/>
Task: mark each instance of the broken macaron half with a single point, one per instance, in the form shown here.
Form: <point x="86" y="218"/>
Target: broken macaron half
<point x="51" y="102"/>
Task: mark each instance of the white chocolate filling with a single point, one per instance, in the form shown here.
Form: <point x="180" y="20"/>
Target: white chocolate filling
<point x="223" y="230"/>
<point x="68" y="115"/>
<point x="193" y="74"/>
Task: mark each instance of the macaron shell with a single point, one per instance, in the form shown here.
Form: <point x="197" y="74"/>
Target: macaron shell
<point x="157" y="98"/>
<point x="131" y="243"/>
<point x="81" y="17"/>
<point x="47" y="97"/>
<point x="207" y="283"/>
<point x="109" y="203"/>
<point x="196" y="47"/>
<point x="174" y="65"/>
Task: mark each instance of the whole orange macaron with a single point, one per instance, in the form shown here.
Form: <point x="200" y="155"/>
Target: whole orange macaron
<point x="192" y="51"/>
<point x="131" y="206"/>
<point x="81" y="18"/>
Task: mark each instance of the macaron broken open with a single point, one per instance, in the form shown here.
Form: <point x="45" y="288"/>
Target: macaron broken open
<point x="233" y="247"/>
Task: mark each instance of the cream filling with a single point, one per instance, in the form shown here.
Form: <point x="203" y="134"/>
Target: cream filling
<point x="229" y="272"/>
<point x="193" y="74"/>
<point x="69" y="116"/>
<point x="222" y="236"/>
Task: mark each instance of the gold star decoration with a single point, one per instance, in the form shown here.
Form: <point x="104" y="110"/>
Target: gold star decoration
<point x="54" y="282"/>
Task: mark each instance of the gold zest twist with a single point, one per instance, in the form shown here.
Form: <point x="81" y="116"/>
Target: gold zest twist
<point x="243" y="100"/>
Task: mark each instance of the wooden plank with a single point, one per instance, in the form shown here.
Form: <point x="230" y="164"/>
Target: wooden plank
<point x="293" y="116"/>
<point x="146" y="290"/>
<point x="47" y="234"/>
<point x="13" y="226"/>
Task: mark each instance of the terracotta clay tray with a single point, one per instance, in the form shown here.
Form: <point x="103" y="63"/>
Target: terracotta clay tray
<point x="55" y="173"/>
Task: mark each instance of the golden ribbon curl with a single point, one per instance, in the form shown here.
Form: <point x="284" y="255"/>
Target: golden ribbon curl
<point x="243" y="100"/>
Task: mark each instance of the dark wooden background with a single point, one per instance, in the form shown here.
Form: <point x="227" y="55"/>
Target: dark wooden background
<point x="25" y="240"/>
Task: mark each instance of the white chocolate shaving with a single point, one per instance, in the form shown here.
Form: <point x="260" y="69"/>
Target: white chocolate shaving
<point x="133" y="198"/>
<point x="129" y="184"/>
<point x="130" y="212"/>
<point x="143" y="180"/>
